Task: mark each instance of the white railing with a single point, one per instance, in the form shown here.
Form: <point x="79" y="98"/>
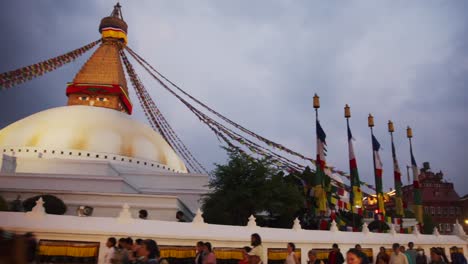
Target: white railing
<point x="98" y="229"/>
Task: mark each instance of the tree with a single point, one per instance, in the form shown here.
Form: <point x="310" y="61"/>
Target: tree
<point x="246" y="186"/>
<point x="428" y="226"/>
<point x="52" y="204"/>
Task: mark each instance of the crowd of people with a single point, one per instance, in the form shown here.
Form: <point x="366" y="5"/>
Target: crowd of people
<point x="400" y="255"/>
<point x="146" y="251"/>
<point x="139" y="251"/>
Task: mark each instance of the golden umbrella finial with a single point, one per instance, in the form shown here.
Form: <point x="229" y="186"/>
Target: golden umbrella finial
<point x="409" y="132"/>
<point x="370" y="120"/>
<point x="316" y="101"/>
<point x="347" y="111"/>
<point x="391" y="128"/>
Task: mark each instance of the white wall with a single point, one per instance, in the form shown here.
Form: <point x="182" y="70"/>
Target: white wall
<point x="98" y="229"/>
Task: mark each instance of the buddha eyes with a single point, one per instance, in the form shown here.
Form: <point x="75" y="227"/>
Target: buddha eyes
<point x="87" y="98"/>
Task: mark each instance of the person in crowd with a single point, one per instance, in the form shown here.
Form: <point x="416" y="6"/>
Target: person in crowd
<point x="245" y="254"/>
<point x="403" y="250"/>
<point x="291" y="258"/>
<point x="180" y="216"/>
<point x="143" y="214"/>
<point x="457" y="257"/>
<point x="148" y="252"/>
<point x="256" y="254"/>
<point x="109" y="256"/>
<point x="312" y="254"/>
<point x="136" y="246"/>
<point x="365" y="259"/>
<point x="397" y="257"/>
<point x="209" y="257"/>
<point x="120" y="254"/>
<point x="31" y="247"/>
<point x="444" y="257"/>
<point x="128" y="245"/>
<point x="411" y="253"/>
<point x="199" y="252"/>
<point x="436" y="256"/>
<point x="353" y="256"/>
<point x="421" y="258"/>
<point x="335" y="256"/>
<point x="382" y="257"/>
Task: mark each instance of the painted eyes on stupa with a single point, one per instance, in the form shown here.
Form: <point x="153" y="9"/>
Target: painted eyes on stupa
<point x="83" y="98"/>
<point x="102" y="99"/>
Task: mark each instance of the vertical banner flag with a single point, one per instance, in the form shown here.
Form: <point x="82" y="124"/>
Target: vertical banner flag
<point x="397" y="177"/>
<point x="416" y="189"/>
<point x="378" y="174"/>
<point x="319" y="190"/>
<point x="355" y="194"/>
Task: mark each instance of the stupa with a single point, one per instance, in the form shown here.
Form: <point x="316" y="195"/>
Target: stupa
<point x="91" y="152"/>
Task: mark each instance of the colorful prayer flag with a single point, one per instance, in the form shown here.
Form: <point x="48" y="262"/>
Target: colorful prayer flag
<point x="397" y="178"/>
<point x="356" y="194"/>
<point x="378" y="174"/>
<point x="418" y="210"/>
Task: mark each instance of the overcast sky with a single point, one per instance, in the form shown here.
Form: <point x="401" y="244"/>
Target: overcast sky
<point x="260" y="63"/>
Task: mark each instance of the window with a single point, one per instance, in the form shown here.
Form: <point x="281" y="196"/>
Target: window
<point x="452" y="210"/>
<point x="432" y="210"/>
<point x="426" y="210"/>
<point x="439" y="210"/>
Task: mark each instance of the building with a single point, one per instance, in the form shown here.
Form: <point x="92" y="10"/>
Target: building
<point x="440" y="200"/>
<point x="92" y="153"/>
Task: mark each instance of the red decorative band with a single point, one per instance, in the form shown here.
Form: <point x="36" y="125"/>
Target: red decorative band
<point x="87" y="88"/>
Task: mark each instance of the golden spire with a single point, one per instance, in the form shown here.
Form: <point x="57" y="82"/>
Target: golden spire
<point x="101" y="81"/>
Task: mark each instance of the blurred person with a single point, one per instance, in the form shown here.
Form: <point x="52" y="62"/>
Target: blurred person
<point x="335" y="256"/>
<point x="436" y="256"/>
<point x="365" y="259"/>
<point x="411" y="253"/>
<point x="199" y="252"/>
<point x="209" y="257"/>
<point x="291" y="258"/>
<point x="256" y="254"/>
<point x="143" y="214"/>
<point x="180" y="216"/>
<point x="312" y="254"/>
<point x="353" y="256"/>
<point x="403" y="250"/>
<point x="382" y="257"/>
<point x="397" y="257"/>
<point x="457" y="257"/>
<point x="31" y="247"/>
<point x="148" y="252"/>
<point x="245" y="254"/>
<point x="421" y="258"/>
<point x="109" y="256"/>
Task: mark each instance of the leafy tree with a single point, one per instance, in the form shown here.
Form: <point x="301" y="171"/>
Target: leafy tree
<point x="246" y="186"/>
<point x="52" y="204"/>
<point x="428" y="227"/>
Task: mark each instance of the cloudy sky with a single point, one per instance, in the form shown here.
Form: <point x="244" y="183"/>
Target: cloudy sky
<point x="260" y="63"/>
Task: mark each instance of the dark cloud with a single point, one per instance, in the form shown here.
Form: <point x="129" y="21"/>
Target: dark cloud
<point x="261" y="62"/>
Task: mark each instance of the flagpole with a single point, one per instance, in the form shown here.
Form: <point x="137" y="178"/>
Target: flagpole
<point x="417" y="200"/>
<point x="370" y="123"/>
<point x="316" y="104"/>
<point x="399" y="211"/>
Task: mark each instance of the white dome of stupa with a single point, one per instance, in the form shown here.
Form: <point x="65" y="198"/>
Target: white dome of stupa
<point x="92" y="129"/>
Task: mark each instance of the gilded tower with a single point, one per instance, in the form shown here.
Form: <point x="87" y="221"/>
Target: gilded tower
<point x="101" y="81"/>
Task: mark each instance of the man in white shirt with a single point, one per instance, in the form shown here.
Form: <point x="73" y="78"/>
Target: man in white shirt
<point x="397" y="257"/>
<point x="110" y="253"/>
